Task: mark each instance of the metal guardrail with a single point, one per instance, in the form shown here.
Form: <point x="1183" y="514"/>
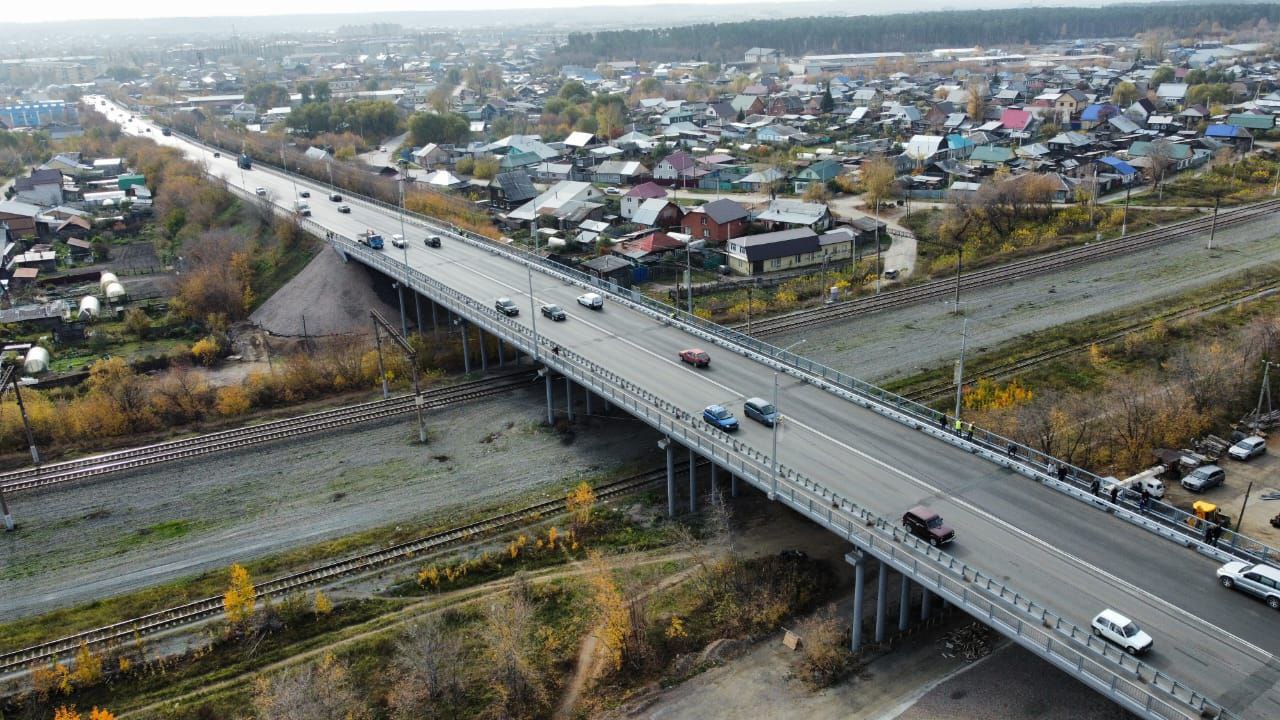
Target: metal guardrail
<point x="1124" y="679"/>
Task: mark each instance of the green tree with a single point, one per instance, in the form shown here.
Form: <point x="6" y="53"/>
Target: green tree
<point x="827" y="104"/>
<point x="1162" y="74"/>
<point x="575" y="92"/>
<point x="445" y="129"/>
<point x="1124" y="94"/>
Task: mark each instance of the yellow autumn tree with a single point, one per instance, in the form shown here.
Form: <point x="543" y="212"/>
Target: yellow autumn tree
<point x="99" y="714"/>
<point x="612" y="612"/>
<point x="579" y="503"/>
<point x="988" y="395"/>
<point x="239" y="599"/>
<point x="322" y="604"/>
<point x="66" y="713"/>
<point x="232" y="400"/>
<point x="88" y="666"/>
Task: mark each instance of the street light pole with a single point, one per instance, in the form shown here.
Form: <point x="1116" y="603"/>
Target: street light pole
<point x="1213" y="228"/>
<point x="1124" y="217"/>
<point x="964" y="336"/>
<point x="773" y="456"/>
<point x="533" y="316"/>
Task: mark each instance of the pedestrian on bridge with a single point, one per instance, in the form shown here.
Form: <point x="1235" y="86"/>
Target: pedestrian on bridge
<point x="1094" y="487"/>
<point x="1143" y="500"/>
<point x="1115" y="490"/>
<point x="959" y="427"/>
<point x="1062" y="473"/>
<point x="968" y="431"/>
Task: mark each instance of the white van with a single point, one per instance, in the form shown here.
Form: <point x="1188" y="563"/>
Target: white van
<point x="1149" y="479"/>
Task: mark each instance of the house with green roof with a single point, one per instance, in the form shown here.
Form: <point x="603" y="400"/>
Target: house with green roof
<point x="992" y="155"/>
<point x="1251" y="121"/>
<point x="822" y="171"/>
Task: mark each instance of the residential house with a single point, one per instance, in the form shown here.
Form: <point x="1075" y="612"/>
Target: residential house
<point x="761" y="180"/>
<point x="1251" y="121"/>
<point x="613" y="268"/>
<point x="820" y="172"/>
<point x="1227" y="132"/>
<point x="716" y="221"/>
<point x="778" y="134"/>
<point x="747" y="105"/>
<point x="1096" y="114"/>
<point x="786" y="250"/>
<point x="784" y="105"/>
<point x="762" y="56"/>
<point x="1068" y="104"/>
<point x="657" y="213"/>
<point x="785" y="213"/>
<point x="569" y="202"/>
<point x="637" y="196"/>
<point x="674" y="168"/>
<point x="79" y="250"/>
<point x="1018" y="123"/>
<point x="1069" y="141"/>
<point x="244" y="113"/>
<point x="1179" y="155"/>
<point x="431" y="154"/>
<point x="720" y="113"/>
<point x="650" y="248"/>
<point x="866" y="97"/>
<point x="1172" y="95"/>
<point x="621" y="172"/>
<point x="42" y="187"/>
<point x="992" y="155"/>
<point x="20" y="217"/>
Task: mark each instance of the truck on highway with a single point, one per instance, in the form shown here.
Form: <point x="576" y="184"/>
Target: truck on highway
<point x="370" y="238"/>
<point x="245" y="162"/>
<point x="166" y="131"/>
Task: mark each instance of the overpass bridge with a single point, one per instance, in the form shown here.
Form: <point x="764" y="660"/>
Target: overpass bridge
<point x="1035" y="558"/>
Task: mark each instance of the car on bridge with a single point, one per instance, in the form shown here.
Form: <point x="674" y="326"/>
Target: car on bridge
<point x="1203" y="478"/>
<point x="344" y="208"/>
<point x="261" y="191"/>
<point x="695" y="357"/>
<point x="398" y="240"/>
<point x="304" y="193"/>
<point x="432" y="241"/>
<point x="506" y="306"/>
<point x="335" y="197"/>
<point x="591" y="300"/>
<point x="1248" y="448"/>
<point x="1261" y="581"/>
<point x="928" y="526"/>
<point x="555" y="312"/>
<point x="761" y="410"/>
<point x="1116" y="628"/>
<point x="719" y="416"/>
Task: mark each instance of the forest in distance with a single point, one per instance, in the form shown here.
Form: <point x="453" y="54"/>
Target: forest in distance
<point x="726" y="42"/>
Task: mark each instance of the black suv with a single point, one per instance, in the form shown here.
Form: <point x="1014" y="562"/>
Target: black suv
<point x="927" y="525"/>
<point x="506" y="306"/>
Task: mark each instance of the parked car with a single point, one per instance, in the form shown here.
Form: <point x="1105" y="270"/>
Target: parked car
<point x="927" y="525"/>
<point x="506" y="306"/>
<point x="217" y="154"/>
<point x="335" y="197"/>
<point x="433" y="241"/>
<point x="398" y="240"/>
<point x="1248" y="448"/>
<point x="612" y="191"/>
<point x="591" y="300"/>
<point x="304" y="193"/>
<point x="1203" y="478"/>
<point x="719" y="416"/>
<point x="1261" y="581"/>
<point x="695" y="357"/>
<point x="1114" y="627"/>
<point x="555" y="312"/>
<point x="344" y="208"/>
<point x="761" y="410"/>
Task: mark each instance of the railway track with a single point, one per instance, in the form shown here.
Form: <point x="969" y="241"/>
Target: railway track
<point x="942" y="388"/>
<point x="29" y="478"/>
<point x="1015" y="270"/>
<point x="199" y="610"/>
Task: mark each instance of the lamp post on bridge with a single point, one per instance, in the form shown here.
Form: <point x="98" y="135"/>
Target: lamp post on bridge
<point x="773" y="456"/>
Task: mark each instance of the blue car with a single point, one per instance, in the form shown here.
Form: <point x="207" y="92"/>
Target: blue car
<point x="720" y="416"/>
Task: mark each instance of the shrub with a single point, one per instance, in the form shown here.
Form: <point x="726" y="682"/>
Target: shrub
<point x="232" y="400"/>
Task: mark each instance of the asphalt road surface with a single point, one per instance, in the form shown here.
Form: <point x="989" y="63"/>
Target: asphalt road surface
<point x="1059" y="552"/>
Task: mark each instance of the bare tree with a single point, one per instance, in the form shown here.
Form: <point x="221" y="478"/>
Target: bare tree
<point x="322" y="691"/>
<point x="518" y="684"/>
<point x="428" y="666"/>
<point x="1159" y="158"/>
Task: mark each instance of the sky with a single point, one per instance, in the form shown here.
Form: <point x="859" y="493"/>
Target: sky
<point x="28" y="11"/>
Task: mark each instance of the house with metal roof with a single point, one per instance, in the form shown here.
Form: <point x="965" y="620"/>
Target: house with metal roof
<point x="784" y="213"/>
<point x="786" y="249"/>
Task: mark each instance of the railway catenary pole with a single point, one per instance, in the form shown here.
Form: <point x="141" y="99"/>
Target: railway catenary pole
<point x="412" y="356"/>
<point x="382" y="371"/>
<point x="10" y="377"/>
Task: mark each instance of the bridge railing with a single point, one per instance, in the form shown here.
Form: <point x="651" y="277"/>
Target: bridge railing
<point x="1162" y="518"/>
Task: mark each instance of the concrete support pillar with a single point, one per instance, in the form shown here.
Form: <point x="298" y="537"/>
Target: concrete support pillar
<point x="404" y="321"/>
<point x="733" y="485"/>
<point x="882" y="599"/>
<point x="693" y="482"/>
<point x="435" y="319"/>
<point x="568" y="398"/>
<point x="466" y="351"/>
<point x="501" y="360"/>
<point x="715" y="471"/>
<point x="484" y="355"/>
<point x="904" y="603"/>
<point x="671" y="478"/>
<point x="859" y="563"/>
<point x="587" y="392"/>
<point x="926" y="599"/>
<point x="417" y="310"/>
<point x="551" y="418"/>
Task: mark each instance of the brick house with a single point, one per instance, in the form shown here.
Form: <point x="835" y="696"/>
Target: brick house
<point x="716" y="221"/>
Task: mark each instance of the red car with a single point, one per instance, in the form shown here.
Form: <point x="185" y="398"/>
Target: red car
<point x="695" y="357"/>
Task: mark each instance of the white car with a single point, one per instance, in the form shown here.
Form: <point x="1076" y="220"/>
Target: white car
<point x="1247" y="448"/>
<point x="1116" y="628"/>
<point x="612" y="191"/>
<point x="262" y="192"/>
<point x="591" y="300"/>
<point x="398" y="240"/>
<point x="1261" y="581"/>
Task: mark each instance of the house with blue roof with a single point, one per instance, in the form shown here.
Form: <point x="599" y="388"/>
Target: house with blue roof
<point x="1127" y="172"/>
<point x="1229" y="133"/>
<point x="1096" y="114"/>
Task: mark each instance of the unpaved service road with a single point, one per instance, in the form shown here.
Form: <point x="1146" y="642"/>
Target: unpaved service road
<point x="901" y="342"/>
<point x="128" y="531"/>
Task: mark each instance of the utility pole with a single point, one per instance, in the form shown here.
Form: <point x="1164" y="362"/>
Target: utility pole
<point x="10" y="377"/>
<point x="959" y="376"/>
<point x="412" y="355"/>
<point x="1243" y="505"/>
<point x="1265" y="391"/>
<point x="1213" y="227"/>
<point x="1124" y="216"/>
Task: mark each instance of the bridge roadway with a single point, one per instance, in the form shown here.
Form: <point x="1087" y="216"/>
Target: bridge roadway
<point x="1063" y="553"/>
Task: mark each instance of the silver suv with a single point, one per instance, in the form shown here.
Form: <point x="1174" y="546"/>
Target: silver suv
<point x="1258" y="580"/>
<point x="1203" y="478"/>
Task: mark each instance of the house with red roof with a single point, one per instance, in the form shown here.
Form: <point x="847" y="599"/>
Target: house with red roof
<point x="648" y="248"/>
<point x="1017" y="121"/>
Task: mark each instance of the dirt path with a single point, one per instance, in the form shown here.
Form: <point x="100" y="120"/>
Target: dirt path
<point x="405" y="615"/>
